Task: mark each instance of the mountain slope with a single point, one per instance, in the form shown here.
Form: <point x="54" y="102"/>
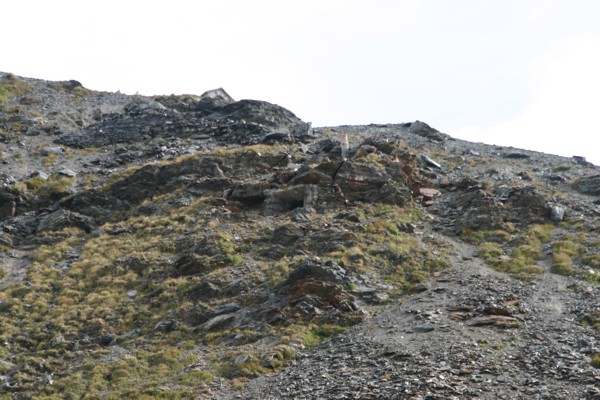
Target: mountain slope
<point x="181" y="246"/>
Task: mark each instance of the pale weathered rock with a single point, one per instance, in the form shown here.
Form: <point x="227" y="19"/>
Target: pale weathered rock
<point x="218" y="322"/>
<point x="67" y="172"/>
<point x="52" y="150"/>
<point x="557" y="213"/>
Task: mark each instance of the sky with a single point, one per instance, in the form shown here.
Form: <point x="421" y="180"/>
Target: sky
<point x="522" y="73"/>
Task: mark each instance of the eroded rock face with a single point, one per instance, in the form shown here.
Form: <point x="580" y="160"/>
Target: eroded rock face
<point x="61" y="219"/>
<point x="360" y="181"/>
<point x="527" y="206"/>
<point x="282" y="200"/>
<point x="319" y="290"/>
<point x="215" y="115"/>
<point x="96" y="204"/>
<point x="479" y="208"/>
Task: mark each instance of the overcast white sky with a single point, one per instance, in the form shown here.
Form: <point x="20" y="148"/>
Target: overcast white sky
<point x="524" y="73"/>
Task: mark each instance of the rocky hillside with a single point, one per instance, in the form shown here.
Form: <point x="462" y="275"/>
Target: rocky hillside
<point x="201" y="247"/>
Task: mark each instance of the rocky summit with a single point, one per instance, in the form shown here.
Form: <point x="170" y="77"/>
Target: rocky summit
<point x="185" y="246"/>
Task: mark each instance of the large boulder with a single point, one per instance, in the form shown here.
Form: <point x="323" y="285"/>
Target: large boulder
<point x="314" y="288"/>
<point x="477" y="208"/>
<point x="526" y="206"/>
<point x="61" y="219"/>
<point x="96" y="204"/>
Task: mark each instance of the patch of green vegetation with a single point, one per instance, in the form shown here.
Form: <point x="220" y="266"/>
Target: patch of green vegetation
<point x="49" y="159"/>
<point x="478" y="237"/>
<point x="591" y="277"/>
<point x="593" y="320"/>
<point x="137" y="374"/>
<point x="563" y="254"/>
<point x="491" y="252"/>
<point x="45" y="188"/>
<point x="251" y="363"/>
<point x="522" y="259"/>
<point x="382" y="247"/>
<point x="591" y="259"/>
<point x="596" y="360"/>
<point x="312" y="334"/>
<point x="72" y="88"/>
<point x="563" y="168"/>
<point x="12" y="86"/>
<point x="277" y="272"/>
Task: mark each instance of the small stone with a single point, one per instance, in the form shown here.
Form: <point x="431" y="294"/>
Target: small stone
<point x="166" y="325"/>
<point x="57" y="341"/>
<point x="52" y="150"/>
<point x="430" y="162"/>
<point x="67" y="172"/>
<point x="406" y="227"/>
<point x="501" y="378"/>
<point x="429" y="192"/>
<point x="422" y="328"/>
<point x="242" y="358"/>
<point x="132" y="293"/>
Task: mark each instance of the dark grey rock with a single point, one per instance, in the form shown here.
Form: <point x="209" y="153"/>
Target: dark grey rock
<point x="426" y="131"/>
<point x="328" y="271"/>
<point x="423" y="328"/>
<point x="588" y="185"/>
<point x="61" y="219"/>
<point x="516" y="156"/>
